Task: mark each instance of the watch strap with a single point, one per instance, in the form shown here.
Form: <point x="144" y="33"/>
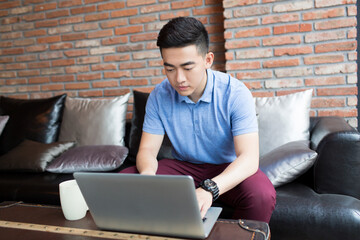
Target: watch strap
<point x="210" y="186"/>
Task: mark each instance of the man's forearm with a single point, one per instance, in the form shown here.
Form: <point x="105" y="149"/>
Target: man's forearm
<point x="146" y="161"/>
<point x="235" y="173"/>
<point x="245" y="165"/>
<point x="146" y="164"/>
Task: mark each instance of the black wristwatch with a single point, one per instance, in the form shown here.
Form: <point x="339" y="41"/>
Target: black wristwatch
<point x="210" y="186"/>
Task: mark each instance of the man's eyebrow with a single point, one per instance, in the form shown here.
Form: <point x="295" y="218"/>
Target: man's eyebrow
<point x="168" y="64"/>
<point x="187" y="63"/>
<point x="182" y="65"/>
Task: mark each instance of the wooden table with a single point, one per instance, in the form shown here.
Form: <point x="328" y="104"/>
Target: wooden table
<point x="28" y="221"/>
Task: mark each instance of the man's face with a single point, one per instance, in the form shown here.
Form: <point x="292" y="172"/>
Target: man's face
<point x="186" y="70"/>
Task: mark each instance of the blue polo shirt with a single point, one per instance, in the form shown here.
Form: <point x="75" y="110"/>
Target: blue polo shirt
<point x="202" y="132"/>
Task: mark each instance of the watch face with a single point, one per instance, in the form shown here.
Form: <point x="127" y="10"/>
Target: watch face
<point x="209" y="183"/>
<point x="210" y="186"/>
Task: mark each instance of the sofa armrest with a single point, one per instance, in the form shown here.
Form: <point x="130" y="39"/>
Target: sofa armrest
<point x="301" y="213"/>
<point x="328" y="125"/>
<point x="338" y="165"/>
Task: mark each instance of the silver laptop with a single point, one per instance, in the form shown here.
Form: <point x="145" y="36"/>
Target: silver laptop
<point x="157" y="205"/>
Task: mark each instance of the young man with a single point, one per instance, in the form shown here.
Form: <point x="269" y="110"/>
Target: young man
<point x="211" y="122"/>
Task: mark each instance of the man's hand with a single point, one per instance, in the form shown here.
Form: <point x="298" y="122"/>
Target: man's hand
<point x="204" y="199"/>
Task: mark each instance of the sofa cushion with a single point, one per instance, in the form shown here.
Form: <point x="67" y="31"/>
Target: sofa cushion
<point x="94" y="121"/>
<point x="31" y="156"/>
<point x="3" y="121"/>
<point x="287" y="162"/>
<point x="283" y="119"/>
<point x="89" y="158"/>
<point x="140" y="99"/>
<point x="35" y="119"/>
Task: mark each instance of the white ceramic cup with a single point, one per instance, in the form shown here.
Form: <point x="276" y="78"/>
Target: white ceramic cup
<point x="72" y="201"/>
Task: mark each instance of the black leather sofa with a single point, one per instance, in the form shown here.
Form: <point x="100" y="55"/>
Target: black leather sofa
<point x="323" y="203"/>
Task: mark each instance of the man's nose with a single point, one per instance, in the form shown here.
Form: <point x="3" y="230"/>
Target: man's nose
<point x="180" y="77"/>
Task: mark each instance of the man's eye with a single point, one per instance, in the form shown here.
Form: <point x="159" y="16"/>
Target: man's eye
<point x="188" y="69"/>
<point x="169" y="69"/>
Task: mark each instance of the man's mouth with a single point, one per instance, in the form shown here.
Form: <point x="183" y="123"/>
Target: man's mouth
<point x="183" y="88"/>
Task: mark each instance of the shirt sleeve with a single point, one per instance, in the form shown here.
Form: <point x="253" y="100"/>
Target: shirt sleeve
<point x="243" y="113"/>
<point x="152" y="121"/>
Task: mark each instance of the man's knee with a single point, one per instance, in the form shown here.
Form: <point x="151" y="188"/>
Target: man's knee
<point x="264" y="198"/>
<point x="260" y="205"/>
<point x="253" y="199"/>
<point x="261" y="190"/>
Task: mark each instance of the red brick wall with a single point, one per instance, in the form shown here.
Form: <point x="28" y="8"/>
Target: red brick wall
<point x="278" y="47"/>
<point x="99" y="48"/>
<point x="91" y="48"/>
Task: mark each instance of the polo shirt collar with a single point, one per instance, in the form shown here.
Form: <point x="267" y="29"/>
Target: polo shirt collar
<point x="207" y="94"/>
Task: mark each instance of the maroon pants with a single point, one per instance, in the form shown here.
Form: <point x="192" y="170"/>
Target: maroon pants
<point x="253" y="199"/>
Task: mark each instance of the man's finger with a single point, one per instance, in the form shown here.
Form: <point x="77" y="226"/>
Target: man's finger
<point x="202" y="213"/>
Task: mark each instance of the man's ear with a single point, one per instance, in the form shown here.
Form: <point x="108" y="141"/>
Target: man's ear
<point x="209" y="59"/>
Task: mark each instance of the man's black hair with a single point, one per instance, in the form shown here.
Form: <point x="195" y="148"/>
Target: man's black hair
<point x="182" y="32"/>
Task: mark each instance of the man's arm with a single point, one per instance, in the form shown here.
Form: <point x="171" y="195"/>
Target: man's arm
<point x="245" y="165"/>
<point x="146" y="161"/>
